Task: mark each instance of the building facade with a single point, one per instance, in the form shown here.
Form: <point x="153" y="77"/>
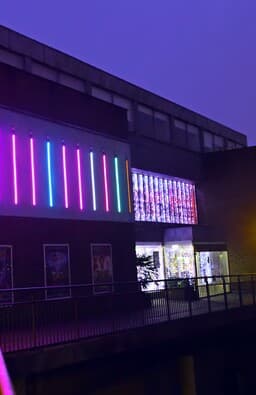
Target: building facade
<point x="96" y="171"/>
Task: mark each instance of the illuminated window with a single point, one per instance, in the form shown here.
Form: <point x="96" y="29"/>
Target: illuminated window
<point x="160" y="198"/>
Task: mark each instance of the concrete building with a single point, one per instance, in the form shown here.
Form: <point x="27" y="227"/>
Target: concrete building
<point x="144" y="148"/>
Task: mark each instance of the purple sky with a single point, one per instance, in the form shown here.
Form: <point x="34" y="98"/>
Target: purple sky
<point x="200" y="54"/>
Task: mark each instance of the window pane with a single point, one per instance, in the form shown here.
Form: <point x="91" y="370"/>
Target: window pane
<point x="179" y="124"/>
<point x="208" y="141"/>
<point x="193" y="137"/>
<point x="145" y="110"/>
<point x="71" y="82"/>
<point x="145" y="121"/>
<point x="218" y="143"/>
<point x="162" y="127"/>
<point x="101" y="94"/>
<point x="124" y="103"/>
<point x="44" y="71"/>
<point x="231" y="144"/>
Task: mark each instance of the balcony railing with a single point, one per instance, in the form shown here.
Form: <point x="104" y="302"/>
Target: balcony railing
<point x="38" y="316"/>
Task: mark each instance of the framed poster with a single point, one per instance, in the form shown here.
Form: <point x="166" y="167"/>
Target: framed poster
<point x="56" y="270"/>
<point x="6" y="273"/>
<point x="102" y="271"/>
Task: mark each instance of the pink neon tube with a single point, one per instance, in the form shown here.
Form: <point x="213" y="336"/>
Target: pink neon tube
<point x="14" y="162"/>
<point x="64" y="161"/>
<point x="80" y="190"/>
<point x="105" y="182"/>
<point x="32" y="162"/>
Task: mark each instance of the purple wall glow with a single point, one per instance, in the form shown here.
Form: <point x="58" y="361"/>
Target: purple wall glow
<point x="43" y="173"/>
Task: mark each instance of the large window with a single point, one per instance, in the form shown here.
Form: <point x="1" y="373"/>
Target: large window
<point x="186" y="135"/>
<point x="159" y="198"/>
<point x="153" y="124"/>
<point x="179" y="260"/>
<point x="154" y="252"/>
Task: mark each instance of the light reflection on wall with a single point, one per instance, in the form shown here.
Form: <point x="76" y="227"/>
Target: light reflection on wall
<point x="159" y="198"/>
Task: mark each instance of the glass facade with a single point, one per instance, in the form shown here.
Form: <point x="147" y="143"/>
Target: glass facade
<point x="159" y="198"/>
<point x="179" y="260"/>
<point x="155" y="252"/>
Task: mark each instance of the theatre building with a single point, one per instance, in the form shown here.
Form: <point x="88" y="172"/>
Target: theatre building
<point x="95" y="170"/>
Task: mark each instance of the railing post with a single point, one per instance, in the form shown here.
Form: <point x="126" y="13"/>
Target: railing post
<point x="253" y="289"/>
<point x="239" y="290"/>
<point x="208" y="295"/>
<point x="189" y="298"/>
<point x="225" y="293"/>
<point x="75" y="302"/>
<point x="167" y="300"/>
<point x="33" y="321"/>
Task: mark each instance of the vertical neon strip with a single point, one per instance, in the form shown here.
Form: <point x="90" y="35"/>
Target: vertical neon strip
<point x="128" y="186"/>
<point x="118" y="198"/>
<point x="93" y="182"/>
<point x="64" y="162"/>
<point x="79" y="176"/>
<point x="14" y="161"/>
<point x="49" y="170"/>
<point x="105" y="182"/>
<point x="32" y="163"/>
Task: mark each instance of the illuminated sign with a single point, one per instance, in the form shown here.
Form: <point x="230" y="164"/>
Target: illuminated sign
<point x="159" y="198"/>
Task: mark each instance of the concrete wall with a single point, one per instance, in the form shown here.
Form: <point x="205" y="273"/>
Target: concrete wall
<point x="228" y="196"/>
<point x="35" y="95"/>
<point x="27" y="236"/>
<point x="30" y="55"/>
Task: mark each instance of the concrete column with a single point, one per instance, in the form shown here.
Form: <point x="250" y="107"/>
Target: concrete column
<point x="187" y="375"/>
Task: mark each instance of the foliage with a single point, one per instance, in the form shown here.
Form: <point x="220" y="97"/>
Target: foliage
<point x="147" y="270"/>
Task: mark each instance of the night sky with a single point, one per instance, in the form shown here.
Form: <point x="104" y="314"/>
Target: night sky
<point x="200" y="54"/>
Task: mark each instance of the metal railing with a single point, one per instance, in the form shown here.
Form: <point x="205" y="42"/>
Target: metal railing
<point x="39" y="316"/>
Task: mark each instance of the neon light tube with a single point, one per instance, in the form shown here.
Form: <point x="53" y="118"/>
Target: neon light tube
<point x="117" y="185"/>
<point x="93" y="182"/>
<point x="49" y="170"/>
<point x="64" y="163"/>
<point x="14" y="162"/>
<point x="32" y="163"/>
<point x="104" y="160"/>
<point x="80" y="190"/>
<point x="128" y="186"/>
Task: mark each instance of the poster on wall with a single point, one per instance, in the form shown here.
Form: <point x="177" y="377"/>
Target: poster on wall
<point x="6" y="280"/>
<point x="57" y="271"/>
<point x="102" y="271"/>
